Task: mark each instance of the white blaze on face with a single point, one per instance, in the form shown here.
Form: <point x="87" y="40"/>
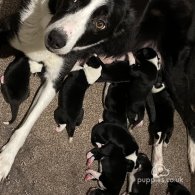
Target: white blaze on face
<point x="74" y="25"/>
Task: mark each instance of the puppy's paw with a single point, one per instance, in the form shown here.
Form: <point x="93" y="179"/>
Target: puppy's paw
<point x="89" y="155"/>
<point x="90" y="161"/>
<point x="88" y="177"/>
<point x="60" y="128"/>
<point x="2" y="80"/>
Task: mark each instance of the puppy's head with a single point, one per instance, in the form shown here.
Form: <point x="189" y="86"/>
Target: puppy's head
<point x="98" y="135"/>
<point x="175" y="188"/>
<point x="81" y="24"/>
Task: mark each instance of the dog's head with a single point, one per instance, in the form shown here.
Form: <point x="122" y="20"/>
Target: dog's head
<point x="82" y="24"/>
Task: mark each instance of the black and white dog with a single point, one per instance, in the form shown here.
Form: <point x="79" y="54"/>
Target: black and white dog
<point x="160" y="128"/>
<point x="52" y="32"/>
<point x="103" y="134"/>
<point x="112" y="171"/>
<point x="175" y="188"/>
<point x="70" y="113"/>
<point x="140" y="179"/>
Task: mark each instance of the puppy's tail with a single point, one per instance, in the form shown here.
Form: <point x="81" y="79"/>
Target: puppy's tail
<point x="14" y="112"/>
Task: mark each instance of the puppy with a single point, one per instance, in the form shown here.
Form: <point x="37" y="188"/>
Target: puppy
<point x="115" y="103"/>
<point x="104" y="134"/>
<point x="112" y="172"/>
<point x="161" y="126"/>
<point x="140" y="177"/>
<point x="15" y="84"/>
<point x="175" y="188"/>
<point x="70" y="113"/>
<point x="143" y="76"/>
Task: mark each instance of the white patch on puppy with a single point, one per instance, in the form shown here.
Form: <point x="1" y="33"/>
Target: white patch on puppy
<point x="157" y="90"/>
<point x="92" y="74"/>
<point x="35" y="66"/>
<point x="158" y="157"/>
<point x="60" y="128"/>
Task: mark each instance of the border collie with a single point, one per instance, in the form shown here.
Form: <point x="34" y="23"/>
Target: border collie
<point x="52" y="32"/>
<point x="140" y="179"/>
<point x="161" y="126"/>
<point x="103" y="134"/>
<point x="143" y="77"/>
<point x="70" y="113"/>
<point x="60" y="33"/>
<point x="112" y="171"/>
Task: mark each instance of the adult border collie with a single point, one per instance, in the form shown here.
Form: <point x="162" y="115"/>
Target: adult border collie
<point x="59" y="33"/>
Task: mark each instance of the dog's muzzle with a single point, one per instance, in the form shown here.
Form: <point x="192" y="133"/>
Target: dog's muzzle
<point x="55" y="40"/>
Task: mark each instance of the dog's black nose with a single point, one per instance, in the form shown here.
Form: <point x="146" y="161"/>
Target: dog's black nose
<point x="56" y="40"/>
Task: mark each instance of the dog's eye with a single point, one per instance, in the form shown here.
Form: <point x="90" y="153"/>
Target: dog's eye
<point x="100" y="25"/>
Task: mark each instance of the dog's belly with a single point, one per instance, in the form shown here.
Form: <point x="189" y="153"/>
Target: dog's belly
<point x="30" y="39"/>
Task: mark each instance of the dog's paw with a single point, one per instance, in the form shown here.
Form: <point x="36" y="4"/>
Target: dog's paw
<point x="88" y="177"/>
<point x="60" y="128"/>
<point x="6" y="161"/>
<point x="95" y="174"/>
<point x="90" y="161"/>
<point x="89" y="155"/>
<point x="2" y="79"/>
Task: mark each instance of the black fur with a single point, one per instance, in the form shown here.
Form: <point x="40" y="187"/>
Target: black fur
<point x="106" y="133"/>
<point x="15" y="88"/>
<point x="114" y="168"/>
<point x="175" y="188"/>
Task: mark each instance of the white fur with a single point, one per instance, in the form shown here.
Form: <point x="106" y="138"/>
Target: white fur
<point x="191" y="153"/>
<point x="132" y="179"/>
<point x="155" y="61"/>
<point x="132" y="157"/>
<point x="107" y="84"/>
<point x="158" y="157"/>
<point x="131" y="58"/>
<point x="35" y="66"/>
<point x="157" y="90"/>
<point x="74" y="25"/>
<point x="92" y="74"/>
<point x="61" y="127"/>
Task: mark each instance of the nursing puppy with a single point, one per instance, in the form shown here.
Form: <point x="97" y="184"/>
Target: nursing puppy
<point x="115" y="103"/>
<point x="143" y="77"/>
<point x="161" y="126"/>
<point x="104" y="134"/>
<point x="175" y="188"/>
<point x="70" y="113"/>
<point x="140" y="179"/>
<point x="112" y="172"/>
<point x="15" y="84"/>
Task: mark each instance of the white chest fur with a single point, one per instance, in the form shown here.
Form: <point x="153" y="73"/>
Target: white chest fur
<point x="30" y="40"/>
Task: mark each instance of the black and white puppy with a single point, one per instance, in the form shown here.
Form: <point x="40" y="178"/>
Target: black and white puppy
<point x="143" y="77"/>
<point x="161" y="126"/>
<point x="140" y="179"/>
<point x="104" y="134"/>
<point x="15" y="84"/>
<point x="70" y="113"/>
<point x="113" y="167"/>
<point x="175" y="188"/>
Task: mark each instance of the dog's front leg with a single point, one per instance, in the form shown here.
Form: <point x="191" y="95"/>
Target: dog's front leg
<point x="10" y="150"/>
